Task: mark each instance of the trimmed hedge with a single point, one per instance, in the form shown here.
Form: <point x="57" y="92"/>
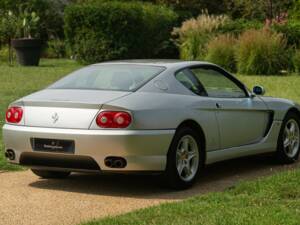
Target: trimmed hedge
<point x="100" y="31"/>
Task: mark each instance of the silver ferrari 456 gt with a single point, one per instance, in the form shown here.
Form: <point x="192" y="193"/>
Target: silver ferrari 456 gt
<point x="171" y="117"/>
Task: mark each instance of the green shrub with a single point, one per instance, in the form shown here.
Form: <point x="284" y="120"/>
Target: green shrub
<point x="118" y="30"/>
<point x="221" y="51"/>
<point x="194" y="34"/>
<point x="262" y="52"/>
<point x="238" y="26"/>
<point x="50" y="12"/>
<point x="296" y="61"/>
<point x="291" y="31"/>
<point x="56" y="49"/>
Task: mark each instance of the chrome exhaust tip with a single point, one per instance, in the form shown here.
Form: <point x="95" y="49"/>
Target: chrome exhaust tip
<point x="10" y="154"/>
<point x="115" y="162"/>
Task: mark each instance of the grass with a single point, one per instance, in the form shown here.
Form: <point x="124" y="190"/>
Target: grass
<point x="274" y="200"/>
<point x="17" y="81"/>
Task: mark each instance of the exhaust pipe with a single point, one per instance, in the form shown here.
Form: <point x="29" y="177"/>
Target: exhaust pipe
<point x="115" y="162"/>
<point x="108" y="162"/>
<point x="118" y="163"/>
<point x="10" y="154"/>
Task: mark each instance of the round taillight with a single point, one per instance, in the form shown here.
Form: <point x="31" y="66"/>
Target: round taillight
<point x="113" y="119"/>
<point x="14" y="114"/>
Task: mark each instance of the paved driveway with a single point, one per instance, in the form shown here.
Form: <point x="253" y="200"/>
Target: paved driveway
<point x="26" y="199"/>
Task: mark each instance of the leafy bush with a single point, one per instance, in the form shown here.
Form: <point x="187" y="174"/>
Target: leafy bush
<point x="294" y="11"/>
<point x="259" y="9"/>
<point x="117" y="30"/>
<point x="194" y="34"/>
<point x="291" y="31"/>
<point x="262" y="52"/>
<point x="221" y="51"/>
<point x="296" y="61"/>
<point x="238" y="26"/>
<point x="50" y="12"/>
<point x="56" y="49"/>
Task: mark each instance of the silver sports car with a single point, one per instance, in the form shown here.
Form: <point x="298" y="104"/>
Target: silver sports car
<point x="171" y="117"/>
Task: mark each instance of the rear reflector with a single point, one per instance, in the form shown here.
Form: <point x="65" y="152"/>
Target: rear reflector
<point x="113" y="119"/>
<point x="14" y="114"/>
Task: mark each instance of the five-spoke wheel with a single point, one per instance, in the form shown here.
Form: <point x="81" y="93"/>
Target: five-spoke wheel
<point x="289" y="139"/>
<point x="185" y="158"/>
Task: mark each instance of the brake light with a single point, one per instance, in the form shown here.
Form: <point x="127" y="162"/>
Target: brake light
<point x="113" y="119"/>
<point x="14" y="114"/>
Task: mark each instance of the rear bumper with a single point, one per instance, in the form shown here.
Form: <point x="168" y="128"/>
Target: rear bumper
<point x="144" y="150"/>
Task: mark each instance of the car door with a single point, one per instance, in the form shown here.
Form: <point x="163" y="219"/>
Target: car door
<point x="242" y="119"/>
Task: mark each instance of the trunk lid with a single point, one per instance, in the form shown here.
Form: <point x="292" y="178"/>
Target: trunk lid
<point x="61" y="108"/>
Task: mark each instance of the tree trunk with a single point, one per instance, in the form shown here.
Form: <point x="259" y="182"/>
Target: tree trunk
<point x="9" y="52"/>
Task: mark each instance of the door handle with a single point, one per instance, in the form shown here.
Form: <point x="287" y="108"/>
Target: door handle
<point x="218" y="106"/>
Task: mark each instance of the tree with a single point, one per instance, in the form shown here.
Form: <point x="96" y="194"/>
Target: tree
<point x="8" y="30"/>
<point x="261" y="9"/>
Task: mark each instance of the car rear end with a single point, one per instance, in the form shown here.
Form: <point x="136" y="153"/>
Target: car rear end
<point x="70" y="129"/>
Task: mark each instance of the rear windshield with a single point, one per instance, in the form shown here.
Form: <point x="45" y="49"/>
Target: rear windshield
<point x="109" y="77"/>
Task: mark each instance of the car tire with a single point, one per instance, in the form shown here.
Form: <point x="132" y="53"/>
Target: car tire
<point x="288" y="146"/>
<point x="51" y="174"/>
<point x="185" y="145"/>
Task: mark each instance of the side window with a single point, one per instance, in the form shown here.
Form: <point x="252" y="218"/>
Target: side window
<point x="217" y="84"/>
<point x="188" y="79"/>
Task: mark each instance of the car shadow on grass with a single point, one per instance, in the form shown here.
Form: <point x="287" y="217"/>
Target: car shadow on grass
<point x="216" y="177"/>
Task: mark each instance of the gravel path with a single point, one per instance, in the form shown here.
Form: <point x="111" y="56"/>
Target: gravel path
<point x="26" y="199"/>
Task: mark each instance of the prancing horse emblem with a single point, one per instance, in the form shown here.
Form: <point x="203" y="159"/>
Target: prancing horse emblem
<point x="55" y="117"/>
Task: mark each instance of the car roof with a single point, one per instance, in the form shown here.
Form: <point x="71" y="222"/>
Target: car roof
<point x="169" y="63"/>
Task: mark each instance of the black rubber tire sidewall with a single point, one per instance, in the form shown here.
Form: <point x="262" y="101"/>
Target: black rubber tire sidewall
<point x="171" y="175"/>
<point x="281" y="156"/>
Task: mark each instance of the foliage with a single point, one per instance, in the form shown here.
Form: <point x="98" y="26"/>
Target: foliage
<point x="296" y="61"/>
<point x="8" y="30"/>
<point x="8" y="26"/>
<point x="294" y="12"/>
<point x="238" y="26"/>
<point x="50" y="12"/>
<point x="259" y="10"/>
<point x="291" y="31"/>
<point x="56" y="48"/>
<point x="221" y="51"/>
<point x="118" y="30"/>
<point x="30" y="22"/>
<point x="262" y="52"/>
<point x="5" y="54"/>
<point x="195" y="33"/>
<point x="194" y="6"/>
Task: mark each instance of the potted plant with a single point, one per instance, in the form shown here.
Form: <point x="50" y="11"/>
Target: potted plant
<point x="28" y="47"/>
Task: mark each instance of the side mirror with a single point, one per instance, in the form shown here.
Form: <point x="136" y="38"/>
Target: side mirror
<point x="259" y="90"/>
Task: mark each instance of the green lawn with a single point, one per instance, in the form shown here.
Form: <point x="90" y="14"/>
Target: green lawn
<point x="17" y="81"/>
<point x="269" y="201"/>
